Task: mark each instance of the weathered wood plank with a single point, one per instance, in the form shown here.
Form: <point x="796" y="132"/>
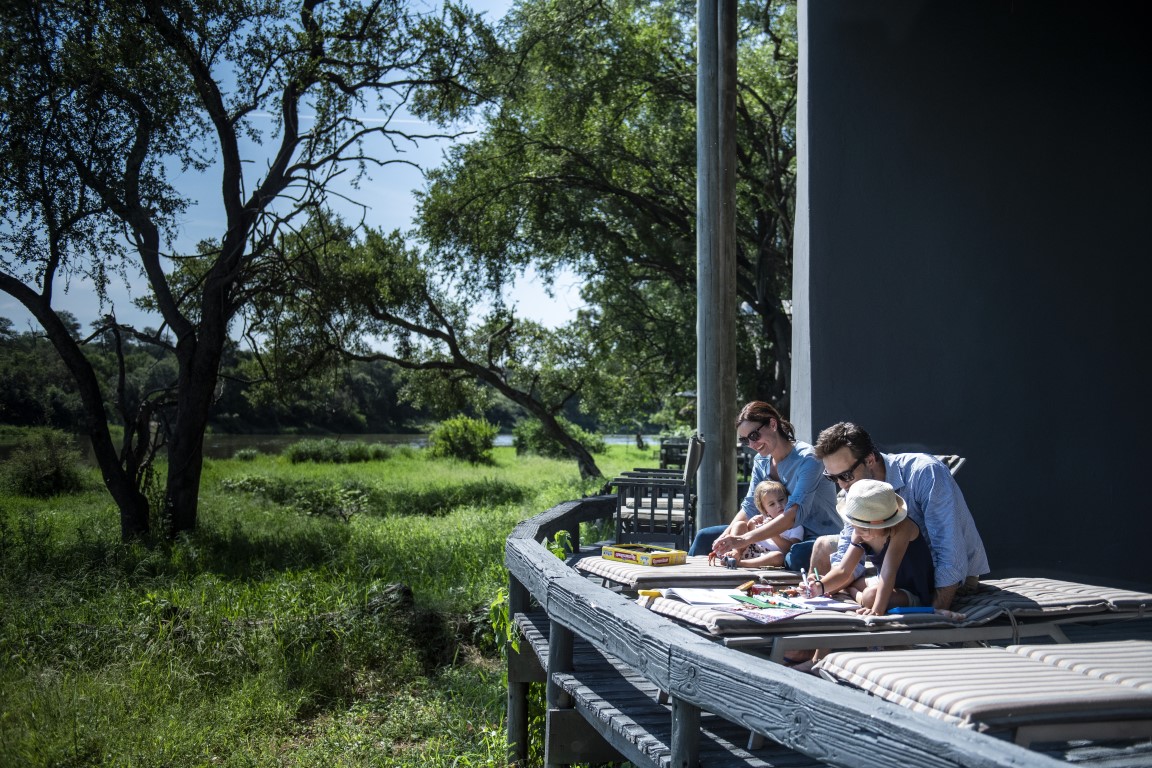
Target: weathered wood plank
<point x="833" y="724"/>
<point x="626" y="708"/>
<point x="572" y="739"/>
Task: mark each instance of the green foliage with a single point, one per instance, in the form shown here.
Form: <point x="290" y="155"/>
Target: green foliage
<point x="340" y="500"/>
<point x="603" y="166"/>
<point x="246" y="454"/>
<point x="332" y="451"/>
<point x="530" y="436"/>
<point x="265" y="639"/>
<point x="442" y="499"/>
<point x="465" y="438"/>
<point x="44" y="462"/>
<point x="101" y="102"/>
<point x="561" y="545"/>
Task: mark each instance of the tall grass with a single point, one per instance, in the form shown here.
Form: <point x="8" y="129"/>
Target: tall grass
<point x="270" y="636"/>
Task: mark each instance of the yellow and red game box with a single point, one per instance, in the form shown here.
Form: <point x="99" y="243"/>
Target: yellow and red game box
<point x="644" y="554"/>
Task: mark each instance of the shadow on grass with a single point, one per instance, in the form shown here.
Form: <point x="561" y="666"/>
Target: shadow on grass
<point x="438" y="501"/>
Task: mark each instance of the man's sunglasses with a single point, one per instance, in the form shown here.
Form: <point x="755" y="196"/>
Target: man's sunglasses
<point x="844" y="477"/>
<point x="752" y="437"/>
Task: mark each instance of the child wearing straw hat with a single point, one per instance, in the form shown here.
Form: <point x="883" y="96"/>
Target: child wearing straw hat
<point x="880" y="529"/>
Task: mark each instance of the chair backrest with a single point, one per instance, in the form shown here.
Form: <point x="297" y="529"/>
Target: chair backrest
<point x="952" y="461"/>
<point x="673" y="452"/>
<point x="745" y="458"/>
<point x="693" y="459"/>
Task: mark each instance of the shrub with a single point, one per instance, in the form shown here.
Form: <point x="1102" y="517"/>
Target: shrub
<point x="246" y="454"/>
<point x="331" y="451"/>
<point x="45" y="462"/>
<point x="339" y="500"/>
<point x="529" y="436"/>
<point x="464" y="438"/>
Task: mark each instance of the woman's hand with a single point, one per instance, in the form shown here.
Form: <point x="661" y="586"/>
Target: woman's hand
<point x="726" y="543"/>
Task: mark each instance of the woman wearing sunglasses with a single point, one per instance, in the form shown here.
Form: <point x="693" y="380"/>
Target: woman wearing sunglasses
<point x="780" y="457"/>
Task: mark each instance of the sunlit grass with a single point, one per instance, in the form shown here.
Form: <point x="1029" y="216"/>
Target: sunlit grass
<point x="270" y="637"/>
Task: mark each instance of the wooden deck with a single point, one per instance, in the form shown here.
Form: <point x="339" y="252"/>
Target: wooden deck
<point x="625" y="684"/>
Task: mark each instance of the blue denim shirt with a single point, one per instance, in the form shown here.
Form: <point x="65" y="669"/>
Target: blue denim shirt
<point x="936" y="504"/>
<point x="808" y="491"/>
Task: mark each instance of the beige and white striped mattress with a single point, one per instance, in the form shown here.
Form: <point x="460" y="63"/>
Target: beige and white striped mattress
<point x="1127" y="662"/>
<point x="1003" y="688"/>
<point x="1024" y="597"/>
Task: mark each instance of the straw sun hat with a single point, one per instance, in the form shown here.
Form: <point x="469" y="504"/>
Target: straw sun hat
<point x="871" y="504"/>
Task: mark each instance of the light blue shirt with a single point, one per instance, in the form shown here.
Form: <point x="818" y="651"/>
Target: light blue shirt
<point x="936" y="504"/>
<point x="812" y="495"/>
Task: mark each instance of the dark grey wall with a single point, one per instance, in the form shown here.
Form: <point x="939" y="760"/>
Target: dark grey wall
<point x="973" y="267"/>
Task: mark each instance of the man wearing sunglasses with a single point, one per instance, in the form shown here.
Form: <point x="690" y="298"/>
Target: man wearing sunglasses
<point x="934" y="501"/>
<point x="811" y="503"/>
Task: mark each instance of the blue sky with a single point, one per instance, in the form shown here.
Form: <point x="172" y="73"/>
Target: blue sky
<point x="391" y="205"/>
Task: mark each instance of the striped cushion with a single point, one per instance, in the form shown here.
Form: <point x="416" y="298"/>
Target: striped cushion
<point x="724" y="623"/>
<point x="658" y="503"/>
<point x="1023" y="597"/>
<point x="986" y="688"/>
<point x="650" y="515"/>
<point x="1127" y="662"/>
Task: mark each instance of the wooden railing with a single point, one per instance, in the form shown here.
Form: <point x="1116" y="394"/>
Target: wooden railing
<point x="833" y="724"/>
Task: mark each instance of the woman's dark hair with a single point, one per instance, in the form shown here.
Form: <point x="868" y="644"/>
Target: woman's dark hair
<point x="761" y="412"/>
<point x="845" y="433"/>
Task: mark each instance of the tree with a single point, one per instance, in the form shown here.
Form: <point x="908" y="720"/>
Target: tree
<point x="102" y="101"/>
<point x="375" y="298"/>
<point x="588" y="163"/>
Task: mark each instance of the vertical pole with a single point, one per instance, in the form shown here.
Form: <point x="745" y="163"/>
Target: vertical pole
<point x="685" y="734"/>
<point x="800" y="386"/>
<point x="560" y="645"/>
<point x="517" y="700"/>
<point x="716" y="257"/>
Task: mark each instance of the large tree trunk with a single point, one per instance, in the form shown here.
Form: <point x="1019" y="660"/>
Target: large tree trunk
<point x="584" y="460"/>
<point x="199" y="357"/>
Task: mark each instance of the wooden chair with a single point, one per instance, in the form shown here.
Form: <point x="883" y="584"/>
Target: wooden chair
<point x="658" y="506"/>
<point x="952" y="461"/>
<point x="673" y="452"/>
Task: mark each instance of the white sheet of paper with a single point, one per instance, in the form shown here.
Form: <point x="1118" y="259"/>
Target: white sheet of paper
<point x="702" y="596"/>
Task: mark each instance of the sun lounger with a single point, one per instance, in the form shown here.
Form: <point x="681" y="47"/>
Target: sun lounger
<point x="1127" y="662"/>
<point x="1032" y="597"/>
<point x="1003" y="610"/>
<point x="1057" y="693"/>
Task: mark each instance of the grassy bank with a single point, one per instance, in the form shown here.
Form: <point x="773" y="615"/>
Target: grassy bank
<point x="332" y="615"/>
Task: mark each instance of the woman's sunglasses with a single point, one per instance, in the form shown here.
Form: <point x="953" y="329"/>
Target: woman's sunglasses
<point x="752" y="437"/>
